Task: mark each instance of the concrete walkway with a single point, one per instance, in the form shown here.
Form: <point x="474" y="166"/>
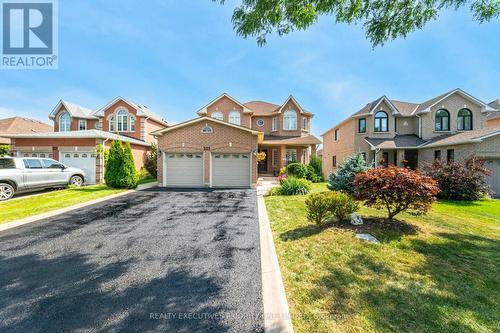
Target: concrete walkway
<point x="277" y="317"/>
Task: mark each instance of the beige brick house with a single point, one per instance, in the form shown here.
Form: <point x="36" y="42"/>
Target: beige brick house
<point x="219" y="147"/>
<point x="79" y="132"/>
<point x="450" y="126"/>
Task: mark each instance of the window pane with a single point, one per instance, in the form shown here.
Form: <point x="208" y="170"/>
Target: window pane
<point x="7" y="163"/>
<point x="32" y="164"/>
<point x="51" y="164"/>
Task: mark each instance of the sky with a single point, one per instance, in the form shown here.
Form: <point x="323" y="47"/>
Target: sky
<point x="175" y="56"/>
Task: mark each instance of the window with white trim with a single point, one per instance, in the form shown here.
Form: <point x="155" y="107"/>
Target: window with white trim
<point x="291" y="156"/>
<point x="275" y="159"/>
<point x="305" y="123"/>
<point x="82" y="124"/>
<point x="217" y="115"/>
<point x="112" y="124"/>
<point x="290" y="120"/>
<point x="64" y="122"/>
<point x="274" y="126"/>
<point x="121" y="120"/>
<point x="234" y="118"/>
<point x="132" y="124"/>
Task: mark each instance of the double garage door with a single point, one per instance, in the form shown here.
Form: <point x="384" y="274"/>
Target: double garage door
<point x="187" y="169"/>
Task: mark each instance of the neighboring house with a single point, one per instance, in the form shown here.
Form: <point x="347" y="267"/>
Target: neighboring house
<point x="80" y="133"/>
<point x="219" y="148"/>
<point x="493" y="118"/>
<point x="17" y="125"/>
<point x="450" y="126"/>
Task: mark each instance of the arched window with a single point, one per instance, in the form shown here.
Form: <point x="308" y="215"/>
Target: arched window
<point x="217" y="115"/>
<point x="290" y="120"/>
<point x="234" y="118"/>
<point x="64" y="122"/>
<point x="464" y="120"/>
<point x="442" y="120"/>
<point x="381" y="122"/>
<point x="121" y="120"/>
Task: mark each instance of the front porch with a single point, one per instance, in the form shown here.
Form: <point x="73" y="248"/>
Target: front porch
<point x="278" y="156"/>
<point x="397" y="157"/>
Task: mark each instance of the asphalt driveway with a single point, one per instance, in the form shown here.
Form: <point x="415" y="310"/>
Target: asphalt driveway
<point x="155" y="260"/>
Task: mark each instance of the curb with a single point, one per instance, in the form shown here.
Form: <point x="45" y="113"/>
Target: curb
<point x="35" y="218"/>
<point x="277" y="316"/>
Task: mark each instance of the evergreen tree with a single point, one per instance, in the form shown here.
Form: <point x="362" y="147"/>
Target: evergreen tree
<point x="342" y="179"/>
<point x="120" y="169"/>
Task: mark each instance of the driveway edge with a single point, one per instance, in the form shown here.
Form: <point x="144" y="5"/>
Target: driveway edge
<point x="276" y="312"/>
<point x="35" y="218"/>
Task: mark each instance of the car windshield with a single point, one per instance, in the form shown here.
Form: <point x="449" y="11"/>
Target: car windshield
<point x="7" y="163"/>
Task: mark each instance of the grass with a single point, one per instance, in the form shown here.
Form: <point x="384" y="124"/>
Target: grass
<point x="145" y="180"/>
<point x="24" y="207"/>
<point x="442" y="277"/>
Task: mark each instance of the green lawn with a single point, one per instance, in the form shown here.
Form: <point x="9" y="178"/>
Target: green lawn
<point x="23" y="207"/>
<point x="442" y="277"/>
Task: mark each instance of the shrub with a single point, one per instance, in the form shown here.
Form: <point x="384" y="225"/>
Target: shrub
<point x="120" y="170"/>
<point x="297" y="170"/>
<point x="151" y="162"/>
<point x="317" y="164"/>
<point x="460" y="180"/>
<point x="4" y="150"/>
<point x="397" y="190"/>
<point x="342" y="205"/>
<point x="322" y="206"/>
<point x="342" y="179"/>
<point x="294" y="186"/>
<point x="318" y="208"/>
<point x="282" y="171"/>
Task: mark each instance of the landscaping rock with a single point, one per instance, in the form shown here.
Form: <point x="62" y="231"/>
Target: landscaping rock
<point x="367" y="237"/>
<point x="356" y="219"/>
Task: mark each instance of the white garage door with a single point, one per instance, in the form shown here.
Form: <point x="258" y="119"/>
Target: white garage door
<point x="184" y="170"/>
<point x="35" y="154"/>
<point x="494" y="178"/>
<point x="82" y="160"/>
<point x="231" y="170"/>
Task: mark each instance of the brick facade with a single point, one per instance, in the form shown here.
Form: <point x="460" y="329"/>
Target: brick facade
<point x="224" y="139"/>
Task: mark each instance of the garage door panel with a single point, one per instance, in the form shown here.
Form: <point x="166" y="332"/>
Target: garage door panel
<point x="184" y="170"/>
<point x="231" y="170"/>
<point x="494" y="177"/>
<point x="82" y="160"/>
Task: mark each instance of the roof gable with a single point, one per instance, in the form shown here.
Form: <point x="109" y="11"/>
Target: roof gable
<point x="388" y="102"/>
<point x="75" y="110"/>
<point x="294" y="101"/>
<point x="200" y="119"/>
<point x="204" y="110"/>
<point x="427" y="105"/>
<point x="142" y="110"/>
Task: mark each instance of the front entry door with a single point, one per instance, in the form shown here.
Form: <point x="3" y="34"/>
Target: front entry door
<point x="411" y="156"/>
<point x="262" y="165"/>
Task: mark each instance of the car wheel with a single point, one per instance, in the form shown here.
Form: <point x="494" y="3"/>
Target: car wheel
<point x="6" y="191"/>
<point x="76" y="181"/>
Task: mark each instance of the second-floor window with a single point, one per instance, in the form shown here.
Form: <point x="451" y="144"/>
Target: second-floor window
<point x="337" y="135"/>
<point x="290" y="120"/>
<point x="381" y="122"/>
<point x="442" y="120"/>
<point x="217" y="115"/>
<point x="82" y="124"/>
<point x="234" y="118"/>
<point x="274" y="126"/>
<point x="132" y="124"/>
<point x="464" y="120"/>
<point x="121" y="121"/>
<point x="112" y="124"/>
<point x="64" y="122"/>
<point x="305" y="124"/>
<point x="362" y="125"/>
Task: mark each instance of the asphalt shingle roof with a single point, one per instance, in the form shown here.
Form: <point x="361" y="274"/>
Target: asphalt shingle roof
<point x="399" y="141"/>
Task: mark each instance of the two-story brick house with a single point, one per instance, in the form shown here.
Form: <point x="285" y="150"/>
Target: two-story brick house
<point x="450" y="126"/>
<point x="219" y="147"/>
<point x="81" y="133"/>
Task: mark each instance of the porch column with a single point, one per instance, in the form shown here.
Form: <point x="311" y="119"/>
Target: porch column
<point x="282" y="161"/>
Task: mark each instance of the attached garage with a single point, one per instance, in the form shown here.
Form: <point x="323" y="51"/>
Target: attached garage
<point x="231" y="170"/>
<point x="207" y="152"/>
<point x="494" y="177"/>
<point x="184" y="169"/>
<point x="82" y="160"/>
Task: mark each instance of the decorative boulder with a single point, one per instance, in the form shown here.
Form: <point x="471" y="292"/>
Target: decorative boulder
<point x="356" y="219"/>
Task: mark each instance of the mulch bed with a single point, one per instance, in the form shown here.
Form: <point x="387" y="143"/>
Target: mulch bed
<point x="371" y="223"/>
